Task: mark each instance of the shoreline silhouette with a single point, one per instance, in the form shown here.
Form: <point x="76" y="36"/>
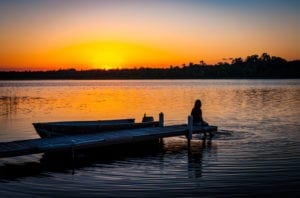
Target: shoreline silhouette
<point x="252" y="67"/>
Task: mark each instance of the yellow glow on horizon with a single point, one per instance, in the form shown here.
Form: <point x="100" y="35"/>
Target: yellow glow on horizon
<point x="122" y="53"/>
<point x="102" y="55"/>
<point x="108" y="55"/>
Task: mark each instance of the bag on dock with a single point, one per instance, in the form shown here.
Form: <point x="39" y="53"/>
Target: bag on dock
<point x="147" y="118"/>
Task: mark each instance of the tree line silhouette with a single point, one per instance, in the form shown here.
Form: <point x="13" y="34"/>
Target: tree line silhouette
<point x="254" y="66"/>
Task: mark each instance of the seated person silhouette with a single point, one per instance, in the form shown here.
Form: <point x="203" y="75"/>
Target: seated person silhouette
<point x="197" y="114"/>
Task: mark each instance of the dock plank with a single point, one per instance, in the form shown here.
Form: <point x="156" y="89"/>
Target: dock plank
<point x="34" y="146"/>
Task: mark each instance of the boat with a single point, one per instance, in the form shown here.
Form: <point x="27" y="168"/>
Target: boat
<point x="55" y="129"/>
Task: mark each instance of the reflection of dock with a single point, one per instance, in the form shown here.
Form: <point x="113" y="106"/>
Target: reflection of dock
<point x="34" y="146"/>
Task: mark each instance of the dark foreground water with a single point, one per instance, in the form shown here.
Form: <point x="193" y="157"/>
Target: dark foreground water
<point x="255" y="153"/>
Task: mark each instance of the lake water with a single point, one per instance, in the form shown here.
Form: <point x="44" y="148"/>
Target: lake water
<point x="255" y="152"/>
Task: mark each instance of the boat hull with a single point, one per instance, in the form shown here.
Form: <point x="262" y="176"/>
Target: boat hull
<point x="55" y="129"/>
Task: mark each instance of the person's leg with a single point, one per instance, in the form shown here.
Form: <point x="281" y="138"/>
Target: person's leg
<point x="204" y="123"/>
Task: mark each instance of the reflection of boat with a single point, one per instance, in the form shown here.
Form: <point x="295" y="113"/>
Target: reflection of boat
<point x="52" y="129"/>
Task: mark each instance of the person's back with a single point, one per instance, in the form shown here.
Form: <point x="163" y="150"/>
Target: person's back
<point x="197" y="114"/>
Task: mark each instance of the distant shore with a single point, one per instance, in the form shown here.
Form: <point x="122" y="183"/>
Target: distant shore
<point x="253" y="67"/>
<point x="289" y="70"/>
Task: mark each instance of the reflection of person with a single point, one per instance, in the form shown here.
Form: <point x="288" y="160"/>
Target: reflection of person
<point x="196" y="155"/>
<point x="197" y="114"/>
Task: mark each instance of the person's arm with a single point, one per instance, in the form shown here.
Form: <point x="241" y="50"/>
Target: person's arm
<point x="200" y="116"/>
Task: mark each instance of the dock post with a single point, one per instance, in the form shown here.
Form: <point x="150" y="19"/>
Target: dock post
<point x="73" y="160"/>
<point x="73" y="157"/>
<point x="161" y="119"/>
<point x="190" y="129"/>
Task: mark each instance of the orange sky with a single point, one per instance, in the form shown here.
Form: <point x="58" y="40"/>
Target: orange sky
<point x="130" y="33"/>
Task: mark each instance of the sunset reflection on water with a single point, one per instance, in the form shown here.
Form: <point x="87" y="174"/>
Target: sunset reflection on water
<point x="25" y="102"/>
<point x="257" y="141"/>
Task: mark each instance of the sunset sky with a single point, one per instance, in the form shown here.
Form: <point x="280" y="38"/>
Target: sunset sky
<point x="91" y="34"/>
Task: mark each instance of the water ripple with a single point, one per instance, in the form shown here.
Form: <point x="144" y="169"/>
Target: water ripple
<point x="256" y="152"/>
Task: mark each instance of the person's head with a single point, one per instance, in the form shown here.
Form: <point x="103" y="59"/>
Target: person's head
<point x="197" y="104"/>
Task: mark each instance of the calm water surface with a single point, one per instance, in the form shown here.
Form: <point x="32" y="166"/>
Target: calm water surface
<point x="255" y="152"/>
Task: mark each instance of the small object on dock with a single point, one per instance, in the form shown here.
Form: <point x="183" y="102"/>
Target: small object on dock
<point x="147" y="118"/>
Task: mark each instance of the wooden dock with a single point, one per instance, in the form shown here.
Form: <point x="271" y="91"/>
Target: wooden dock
<point x="72" y="142"/>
